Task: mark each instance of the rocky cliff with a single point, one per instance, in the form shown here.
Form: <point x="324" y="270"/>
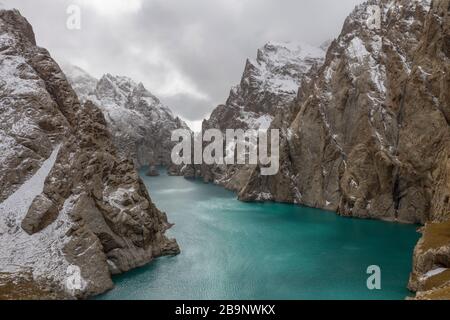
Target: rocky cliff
<point x="140" y="124"/>
<point x="370" y="134"/>
<point x="72" y="212"/>
<point x="341" y="150"/>
<point x="268" y="86"/>
<point x="426" y="129"/>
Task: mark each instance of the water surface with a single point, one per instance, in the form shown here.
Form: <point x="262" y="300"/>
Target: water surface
<point x="236" y="250"/>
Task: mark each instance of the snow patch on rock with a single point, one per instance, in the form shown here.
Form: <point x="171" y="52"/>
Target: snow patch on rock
<point x="40" y="253"/>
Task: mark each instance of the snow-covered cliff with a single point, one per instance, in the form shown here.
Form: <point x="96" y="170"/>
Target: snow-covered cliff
<point x="140" y="124"/>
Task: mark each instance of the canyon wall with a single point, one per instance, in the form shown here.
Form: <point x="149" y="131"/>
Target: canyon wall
<point x="268" y="86"/>
<point x="140" y="124"/>
<point x="371" y="135"/>
<point x="72" y="212"/>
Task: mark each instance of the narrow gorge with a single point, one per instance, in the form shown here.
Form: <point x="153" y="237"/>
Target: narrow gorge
<point x="367" y="135"/>
<point x="89" y="190"/>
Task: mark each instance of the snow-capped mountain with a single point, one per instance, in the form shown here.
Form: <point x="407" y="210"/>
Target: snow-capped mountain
<point x="350" y="115"/>
<point x="370" y="133"/>
<point x="83" y="83"/>
<point x="140" y="124"/>
<point x="269" y="83"/>
<point x="268" y="86"/>
<point x="72" y="213"/>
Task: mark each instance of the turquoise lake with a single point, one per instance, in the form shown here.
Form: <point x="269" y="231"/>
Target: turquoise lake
<point x="235" y="250"/>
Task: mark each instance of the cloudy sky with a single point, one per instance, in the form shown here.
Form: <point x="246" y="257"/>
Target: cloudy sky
<point x="187" y="52"/>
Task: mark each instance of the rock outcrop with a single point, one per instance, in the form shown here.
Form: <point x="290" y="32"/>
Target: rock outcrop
<point x="72" y="211"/>
<point x="371" y="135"/>
<point x="341" y="151"/>
<point x="268" y="86"/>
<point x="425" y="139"/>
<point x="140" y="124"/>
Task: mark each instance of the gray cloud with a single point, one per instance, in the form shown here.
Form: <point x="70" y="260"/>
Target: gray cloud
<point x="188" y="53"/>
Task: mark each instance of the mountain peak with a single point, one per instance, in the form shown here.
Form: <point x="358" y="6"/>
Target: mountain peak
<point x="135" y="117"/>
<point x="15" y="24"/>
<point x="278" y="69"/>
<point x="60" y="172"/>
<point x="289" y="52"/>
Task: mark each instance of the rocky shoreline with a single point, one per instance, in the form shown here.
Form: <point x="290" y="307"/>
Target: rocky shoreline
<point x="73" y="211"/>
<point x="368" y="135"/>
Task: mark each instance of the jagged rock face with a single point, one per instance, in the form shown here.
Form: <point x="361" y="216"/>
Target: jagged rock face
<point x="343" y="151"/>
<point x="82" y="82"/>
<point x="268" y="86"/>
<point x="371" y="137"/>
<point x="28" y="133"/>
<point x="425" y="141"/>
<point x="140" y="124"/>
<point x="72" y="212"/>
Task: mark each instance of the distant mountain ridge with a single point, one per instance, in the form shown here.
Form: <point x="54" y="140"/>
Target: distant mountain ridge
<point x="141" y="125"/>
<point x="268" y="86"/>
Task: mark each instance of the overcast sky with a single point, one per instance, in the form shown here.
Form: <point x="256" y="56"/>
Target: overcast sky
<point x="187" y="52"/>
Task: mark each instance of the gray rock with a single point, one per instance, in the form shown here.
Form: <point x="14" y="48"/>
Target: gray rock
<point x="140" y="124"/>
<point x="268" y="86"/>
<point x="370" y="134"/>
<point x="93" y="216"/>
<point x="41" y="214"/>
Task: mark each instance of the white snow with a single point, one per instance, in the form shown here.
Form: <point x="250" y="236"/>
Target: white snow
<point x="289" y="134"/>
<point x="256" y="121"/>
<point x="334" y="137"/>
<point x="264" y="122"/>
<point x="116" y="197"/>
<point x="20" y="201"/>
<point x="264" y="196"/>
<point x="425" y="4"/>
<point x="378" y="76"/>
<point x="405" y="64"/>
<point x="124" y="102"/>
<point x="24" y="127"/>
<point x="230" y="148"/>
<point x="7" y="147"/>
<point x="433" y="273"/>
<point x="424" y="74"/>
<point x="82" y="82"/>
<point x="18" y="83"/>
<point x="329" y="73"/>
<point x="298" y="195"/>
<point x="353" y="184"/>
<point x="280" y="66"/>
<point x="40" y="253"/>
<point x="357" y="51"/>
<point x="6" y="40"/>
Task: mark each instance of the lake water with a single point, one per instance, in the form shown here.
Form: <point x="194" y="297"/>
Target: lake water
<point x="236" y="250"/>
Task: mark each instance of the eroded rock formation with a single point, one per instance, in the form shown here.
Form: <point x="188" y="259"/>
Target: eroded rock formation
<point x="268" y="86"/>
<point x="371" y="135"/>
<point x="72" y="211"/>
<point x="140" y="124"/>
